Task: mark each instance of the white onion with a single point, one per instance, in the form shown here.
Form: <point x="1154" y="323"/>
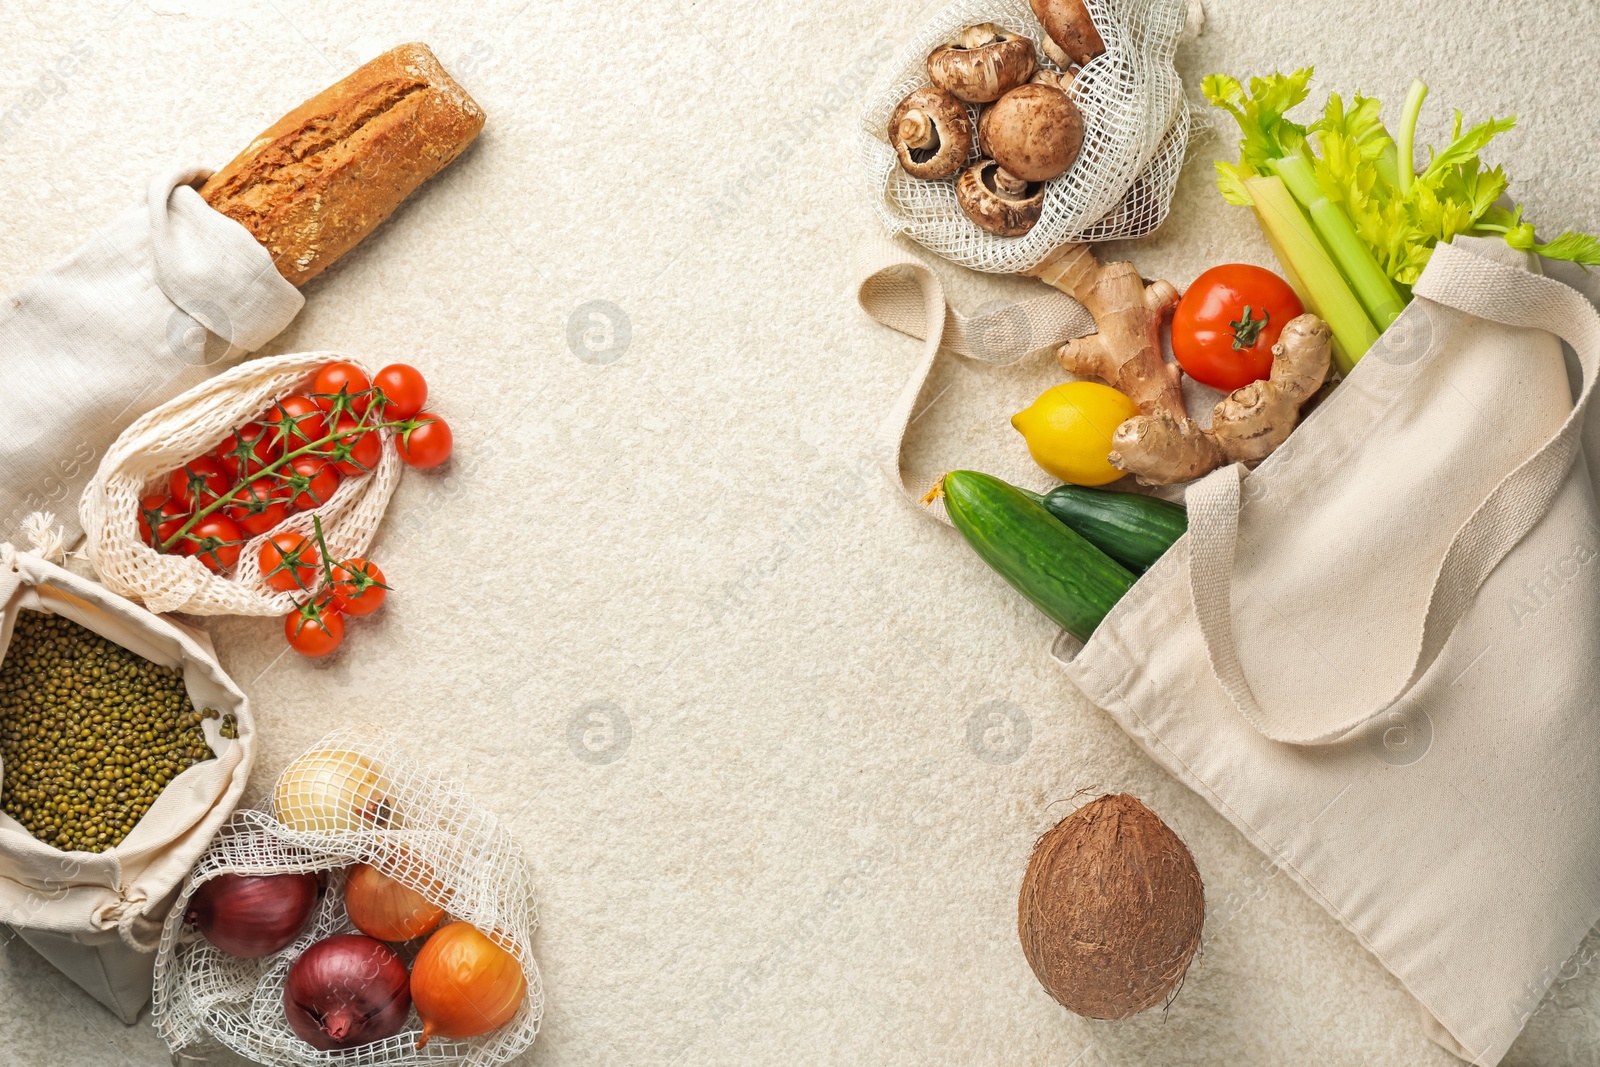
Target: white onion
<point x="334" y="791"/>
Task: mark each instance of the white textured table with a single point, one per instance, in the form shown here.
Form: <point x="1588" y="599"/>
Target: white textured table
<point x="789" y="851"/>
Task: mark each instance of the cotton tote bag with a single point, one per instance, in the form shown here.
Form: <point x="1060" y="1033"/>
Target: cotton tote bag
<point x="1378" y="653"/>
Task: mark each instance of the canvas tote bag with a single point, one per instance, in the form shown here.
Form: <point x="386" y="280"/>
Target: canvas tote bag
<point x="98" y="916"/>
<point x="1378" y="653"/>
<point x="159" y="299"/>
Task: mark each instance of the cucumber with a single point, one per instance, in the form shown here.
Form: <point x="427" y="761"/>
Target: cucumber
<point x="1061" y="573"/>
<point x="1131" y="528"/>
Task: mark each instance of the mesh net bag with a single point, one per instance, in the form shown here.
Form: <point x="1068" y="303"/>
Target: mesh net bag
<point x="1136" y="128"/>
<point x="192" y="425"/>
<point x="354" y="796"/>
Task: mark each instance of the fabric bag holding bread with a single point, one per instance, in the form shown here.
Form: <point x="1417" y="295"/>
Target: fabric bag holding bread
<point x="207" y="269"/>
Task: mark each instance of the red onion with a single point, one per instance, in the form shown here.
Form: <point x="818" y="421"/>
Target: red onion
<point x="253" y="915"/>
<point x="347" y="990"/>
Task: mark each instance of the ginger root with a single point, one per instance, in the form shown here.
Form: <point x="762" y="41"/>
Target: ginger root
<point x="1126" y="353"/>
<point x="1162" y="444"/>
<point x="1246" y="425"/>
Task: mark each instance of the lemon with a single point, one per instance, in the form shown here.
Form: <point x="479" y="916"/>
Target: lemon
<point x="1069" y="427"/>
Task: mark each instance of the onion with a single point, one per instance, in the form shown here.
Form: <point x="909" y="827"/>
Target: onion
<point x="333" y="791"/>
<point x="251" y="916"/>
<point x="346" y="990"/>
<point x="385" y="909"/>
<point x="464" y="984"/>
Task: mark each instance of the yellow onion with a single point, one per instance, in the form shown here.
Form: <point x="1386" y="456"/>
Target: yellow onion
<point x="382" y="908"/>
<point x="463" y="984"/>
<point x="333" y="791"/>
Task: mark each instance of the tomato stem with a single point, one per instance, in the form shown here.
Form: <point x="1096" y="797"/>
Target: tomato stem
<point x="1247" y="331"/>
<point x="231" y="496"/>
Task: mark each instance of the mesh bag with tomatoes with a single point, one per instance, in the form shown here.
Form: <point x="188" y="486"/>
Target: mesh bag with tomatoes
<point x="231" y="968"/>
<point x="258" y="492"/>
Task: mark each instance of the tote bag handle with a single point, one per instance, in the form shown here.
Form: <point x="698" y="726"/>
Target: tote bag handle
<point x="905" y="294"/>
<point x="1485" y="289"/>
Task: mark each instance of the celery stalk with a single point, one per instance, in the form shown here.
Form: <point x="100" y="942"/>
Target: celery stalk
<point x="1311" y="270"/>
<point x="1372" y="286"/>
<point x="1408" y="135"/>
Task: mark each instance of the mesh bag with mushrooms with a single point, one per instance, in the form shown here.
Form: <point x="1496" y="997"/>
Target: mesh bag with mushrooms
<point x="992" y="141"/>
<point x="356" y="795"/>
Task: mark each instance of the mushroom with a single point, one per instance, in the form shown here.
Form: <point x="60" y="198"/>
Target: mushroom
<point x="997" y="201"/>
<point x="983" y="64"/>
<point x="931" y="133"/>
<point x="1057" y="79"/>
<point x="1070" y="29"/>
<point x="1034" y="131"/>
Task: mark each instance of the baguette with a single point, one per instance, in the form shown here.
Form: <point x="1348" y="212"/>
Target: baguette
<point x="326" y="174"/>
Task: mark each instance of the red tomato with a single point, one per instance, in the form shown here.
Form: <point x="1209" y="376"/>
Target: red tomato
<point x="265" y="502"/>
<point x="214" y="541"/>
<point x="405" y="390"/>
<point x="296" y="421"/>
<point x="314" y="628"/>
<point x="168" y="516"/>
<point x="199" y="482"/>
<point x="355" y="453"/>
<point x="311" y="481"/>
<point x="358" y="587"/>
<point x="246" y="450"/>
<point x="427" y="444"/>
<point x="1227" y="323"/>
<point x="346" y="378"/>
<point x="289" y="562"/>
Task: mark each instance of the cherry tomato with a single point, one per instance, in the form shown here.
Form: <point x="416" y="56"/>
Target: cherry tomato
<point x="358" y="587"/>
<point x="263" y="504"/>
<point x="405" y="390"/>
<point x="427" y="444"/>
<point x="1227" y="323"/>
<point x="311" y="480"/>
<point x="168" y="516"/>
<point x="296" y="421"/>
<point x="215" y="541"/>
<point x="314" y="629"/>
<point x="199" y="482"/>
<point x="246" y="450"/>
<point x="346" y="378"/>
<point x="288" y="562"/>
<point x="357" y="452"/>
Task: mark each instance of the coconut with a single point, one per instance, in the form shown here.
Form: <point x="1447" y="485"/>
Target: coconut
<point x="1111" y="909"/>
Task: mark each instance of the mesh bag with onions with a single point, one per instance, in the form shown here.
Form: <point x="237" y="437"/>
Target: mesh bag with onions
<point x="355" y="796"/>
<point x="189" y="426"/>
<point x="1136" y="128"/>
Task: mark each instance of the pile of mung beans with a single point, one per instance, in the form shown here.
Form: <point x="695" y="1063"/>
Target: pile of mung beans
<point x="90" y="733"/>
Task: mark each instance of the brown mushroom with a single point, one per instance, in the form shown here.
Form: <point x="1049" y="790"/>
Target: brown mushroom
<point x="983" y="64"/>
<point x="931" y="133"/>
<point x="1034" y="131"/>
<point x="1069" y="27"/>
<point x="997" y="201"/>
<point x="1057" y="79"/>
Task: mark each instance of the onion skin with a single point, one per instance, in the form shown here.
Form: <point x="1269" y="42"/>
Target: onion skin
<point x="250" y="916"/>
<point x="464" y="984"/>
<point x="333" y="791"/>
<point x="382" y="908"/>
<point x="346" y="990"/>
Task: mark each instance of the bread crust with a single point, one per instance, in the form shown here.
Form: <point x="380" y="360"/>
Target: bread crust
<point x="326" y="174"/>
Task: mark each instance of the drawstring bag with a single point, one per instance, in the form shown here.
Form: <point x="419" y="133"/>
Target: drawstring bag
<point x="98" y="916"/>
<point x="155" y="302"/>
<point x="164" y="439"/>
<point x="1136" y="129"/>
<point x="1376" y="654"/>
